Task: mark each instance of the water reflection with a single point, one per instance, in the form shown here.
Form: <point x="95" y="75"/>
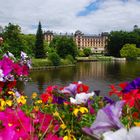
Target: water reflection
<point x="98" y="75"/>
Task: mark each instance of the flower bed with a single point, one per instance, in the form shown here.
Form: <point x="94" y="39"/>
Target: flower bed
<point x="65" y="113"/>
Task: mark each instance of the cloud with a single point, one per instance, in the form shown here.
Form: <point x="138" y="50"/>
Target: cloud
<point x="89" y="16"/>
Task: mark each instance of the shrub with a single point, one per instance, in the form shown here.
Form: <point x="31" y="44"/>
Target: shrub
<point x="129" y="51"/>
<point x="81" y="53"/>
<point x="70" y="58"/>
<point x="55" y="58"/>
<point x="87" y="51"/>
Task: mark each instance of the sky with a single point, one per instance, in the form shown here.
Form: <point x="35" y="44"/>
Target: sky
<point x="88" y="16"/>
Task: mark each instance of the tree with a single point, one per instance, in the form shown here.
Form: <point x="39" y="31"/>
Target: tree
<point x="87" y="51"/>
<point x="29" y="43"/>
<point x="117" y="39"/>
<point x="12" y="38"/>
<point x="129" y="51"/>
<point x="115" y="43"/>
<point x="1" y="30"/>
<point x="64" y="46"/>
<point x="39" y="43"/>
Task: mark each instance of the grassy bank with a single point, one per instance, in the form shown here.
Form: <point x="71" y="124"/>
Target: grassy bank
<point x="95" y="58"/>
<point x="36" y="63"/>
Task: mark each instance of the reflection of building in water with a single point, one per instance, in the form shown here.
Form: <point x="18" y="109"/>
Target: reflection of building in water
<point x="97" y="43"/>
<point x="96" y="70"/>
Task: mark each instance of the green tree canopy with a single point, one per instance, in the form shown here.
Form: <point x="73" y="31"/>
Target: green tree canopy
<point x="64" y="46"/>
<point x="39" y="43"/>
<point x="130" y="51"/>
<point x="117" y="39"/>
<point x="29" y="43"/>
<point x="13" y="40"/>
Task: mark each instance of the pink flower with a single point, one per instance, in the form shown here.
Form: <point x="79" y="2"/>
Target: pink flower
<point x="51" y="136"/>
<point x="6" y="65"/>
<point x="17" y="69"/>
<point x="25" y="70"/>
<point x="44" y="120"/>
<point x="16" y="125"/>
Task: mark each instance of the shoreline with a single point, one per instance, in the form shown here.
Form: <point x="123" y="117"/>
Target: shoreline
<point x="51" y="67"/>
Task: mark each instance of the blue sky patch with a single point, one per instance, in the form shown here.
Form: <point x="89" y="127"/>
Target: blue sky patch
<point x="93" y="6"/>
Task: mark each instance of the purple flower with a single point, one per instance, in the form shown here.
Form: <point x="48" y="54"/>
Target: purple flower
<point x="108" y="100"/>
<point x="71" y="89"/>
<point x="107" y="119"/>
<point x="135" y="84"/>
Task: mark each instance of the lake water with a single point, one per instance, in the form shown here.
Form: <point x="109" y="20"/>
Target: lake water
<point x="97" y="75"/>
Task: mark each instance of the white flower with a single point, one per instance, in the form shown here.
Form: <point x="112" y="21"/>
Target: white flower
<point x="81" y="98"/>
<point x="17" y="94"/>
<point x="1" y="75"/>
<point x="123" y="134"/>
<point x="8" y="54"/>
<point x="23" y="55"/>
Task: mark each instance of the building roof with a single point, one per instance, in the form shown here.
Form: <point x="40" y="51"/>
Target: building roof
<point x="49" y="32"/>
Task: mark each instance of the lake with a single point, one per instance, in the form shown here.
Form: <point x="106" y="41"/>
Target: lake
<point x="97" y="75"/>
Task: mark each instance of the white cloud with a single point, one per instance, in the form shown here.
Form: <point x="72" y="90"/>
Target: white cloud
<point x="61" y="15"/>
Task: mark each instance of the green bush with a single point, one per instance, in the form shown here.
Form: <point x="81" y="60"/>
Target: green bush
<point x="81" y="53"/>
<point x="129" y="51"/>
<point x="65" y="62"/>
<point x="87" y="52"/>
<point x="55" y="58"/>
<point x="70" y="58"/>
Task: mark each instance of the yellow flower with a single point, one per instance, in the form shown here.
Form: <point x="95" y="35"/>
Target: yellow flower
<point x="36" y="108"/>
<point x="137" y="124"/>
<point x="70" y="137"/>
<point x="56" y="114"/>
<point x="9" y="102"/>
<point x="65" y="138"/>
<point x="21" y="99"/>
<point x="11" y="93"/>
<point x="50" y="100"/>
<point x="38" y="102"/>
<point x="34" y="95"/>
<point x="83" y="110"/>
<point x="63" y="126"/>
<point x="75" y="112"/>
<point x="2" y="104"/>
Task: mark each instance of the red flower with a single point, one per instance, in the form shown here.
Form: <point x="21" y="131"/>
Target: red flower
<point x="49" y="89"/>
<point x="1" y="84"/>
<point x="82" y="88"/>
<point x="25" y="70"/>
<point x="11" y="84"/>
<point x="123" y="85"/>
<point x="17" y="69"/>
<point x="135" y="115"/>
<point x="45" y="97"/>
<point x="131" y="97"/>
<point x="137" y="105"/>
<point x="114" y="90"/>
